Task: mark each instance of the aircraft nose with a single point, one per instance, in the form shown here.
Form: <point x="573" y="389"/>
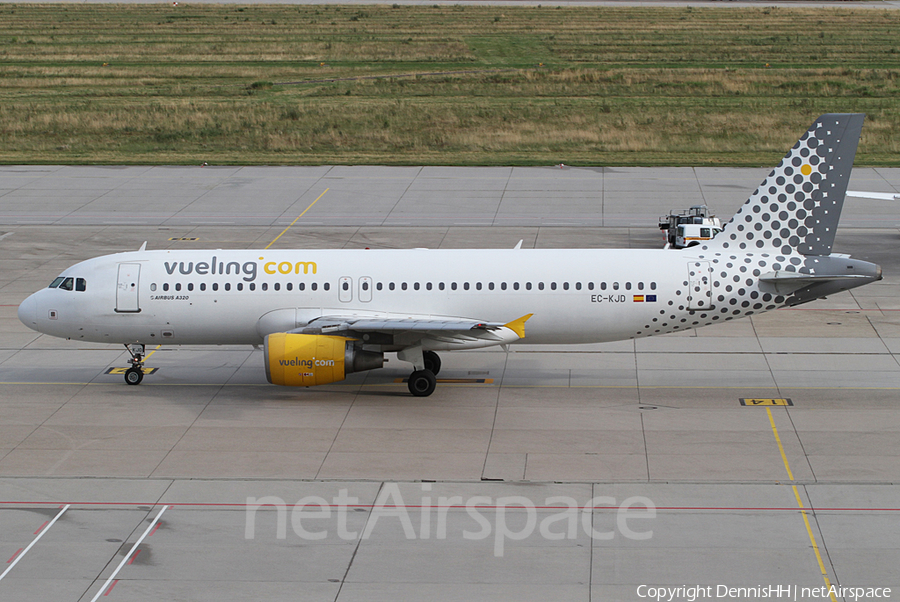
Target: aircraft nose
<point x="28" y="312"/>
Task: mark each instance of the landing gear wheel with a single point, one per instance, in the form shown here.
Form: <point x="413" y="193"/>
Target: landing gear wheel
<point x="421" y="383"/>
<point x="134" y="376"/>
<point x="432" y="362"/>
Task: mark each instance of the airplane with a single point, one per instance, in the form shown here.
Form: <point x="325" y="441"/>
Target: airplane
<point x="323" y="314"/>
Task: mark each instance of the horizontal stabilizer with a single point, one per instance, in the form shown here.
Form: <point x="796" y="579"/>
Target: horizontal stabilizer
<point x="788" y="282"/>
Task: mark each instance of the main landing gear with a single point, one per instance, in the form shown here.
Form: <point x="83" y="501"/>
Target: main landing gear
<point x="135" y="374"/>
<point x="421" y="383"/>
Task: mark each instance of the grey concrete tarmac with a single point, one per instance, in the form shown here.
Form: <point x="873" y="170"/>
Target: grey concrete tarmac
<point x="571" y="473"/>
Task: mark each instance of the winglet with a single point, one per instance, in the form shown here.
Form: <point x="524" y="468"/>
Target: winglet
<point x="518" y="326"/>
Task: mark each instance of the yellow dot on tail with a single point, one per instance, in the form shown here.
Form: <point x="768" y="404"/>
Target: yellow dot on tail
<point x="806" y="170"/>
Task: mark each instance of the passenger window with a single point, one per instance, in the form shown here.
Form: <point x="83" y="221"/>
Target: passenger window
<point x="178" y="286"/>
<point x="452" y="286"/>
<point x="490" y="286"/>
<point x="365" y="285"/>
<point x="301" y="286"/>
<point x="153" y="287"/>
<point x="615" y="286"/>
<point x="590" y="286"/>
<point x="252" y="286"/>
<point x="240" y="286"/>
<point x="403" y="286"/>
<point x="441" y="286"/>
<point x="416" y="286"/>
<point x="276" y="286"/>
<point x="527" y="286"/>
<point x="391" y="286"/>
<point x="80" y="285"/>
<point x="428" y="286"/>
<point x="202" y="286"/>
<point x="466" y="285"/>
<point x="552" y="286"/>
<point x="577" y="286"/>
<point x="166" y="286"/>
<point x="540" y="286"/>
<point x="345" y="286"/>
<point x="602" y="286"/>
<point x="313" y="286"/>
<point x="627" y="286"/>
<point x="56" y="282"/>
<point x="289" y="286"/>
<point x="640" y="286"/>
<point x="215" y="286"/>
<point x="379" y="286"/>
<point x="227" y="286"/>
<point x="652" y="286"/>
<point x="190" y="286"/>
<point x="326" y="286"/>
<point x="515" y="286"/>
<point x="478" y="286"/>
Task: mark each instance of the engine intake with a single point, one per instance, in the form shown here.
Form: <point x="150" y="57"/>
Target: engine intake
<point x="305" y="360"/>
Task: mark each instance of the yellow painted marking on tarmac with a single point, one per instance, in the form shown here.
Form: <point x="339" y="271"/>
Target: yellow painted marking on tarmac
<point x="124" y="370"/>
<point x="766" y="402"/>
<point x="809" y="531"/>
<point x="454" y="381"/>
<point x="298" y="217"/>
<point x="151" y="353"/>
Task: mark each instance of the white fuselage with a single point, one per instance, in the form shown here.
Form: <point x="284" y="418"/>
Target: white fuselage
<point x="238" y="296"/>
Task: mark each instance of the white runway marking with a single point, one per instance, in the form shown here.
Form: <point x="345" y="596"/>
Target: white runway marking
<point x="128" y="555"/>
<point x="36" y="539"/>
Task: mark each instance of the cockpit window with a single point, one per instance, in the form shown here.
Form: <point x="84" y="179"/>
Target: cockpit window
<point x="56" y="282"/>
<point x="80" y="285"/>
<point x="67" y="284"/>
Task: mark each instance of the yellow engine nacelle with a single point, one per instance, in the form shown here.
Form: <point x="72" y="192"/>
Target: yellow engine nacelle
<point x="305" y="360"/>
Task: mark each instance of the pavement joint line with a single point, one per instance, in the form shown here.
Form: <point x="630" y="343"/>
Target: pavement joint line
<point x="19" y="556"/>
<point x="803" y="511"/>
<point x="106" y="585"/>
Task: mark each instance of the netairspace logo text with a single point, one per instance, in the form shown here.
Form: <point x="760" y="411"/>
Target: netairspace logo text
<point x="508" y="518"/>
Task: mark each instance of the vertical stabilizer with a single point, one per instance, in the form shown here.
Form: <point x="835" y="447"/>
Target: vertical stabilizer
<point x="797" y="207"/>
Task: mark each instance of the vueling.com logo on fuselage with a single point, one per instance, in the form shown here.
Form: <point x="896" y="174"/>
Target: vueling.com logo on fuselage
<point x="249" y="269"/>
<point x="310" y="363"/>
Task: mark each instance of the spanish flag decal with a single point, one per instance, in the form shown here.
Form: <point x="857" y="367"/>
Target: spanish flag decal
<point x="644" y="299"/>
<point x="639" y="298"/>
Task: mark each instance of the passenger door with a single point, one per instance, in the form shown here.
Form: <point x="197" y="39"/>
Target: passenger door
<point x="129" y="281"/>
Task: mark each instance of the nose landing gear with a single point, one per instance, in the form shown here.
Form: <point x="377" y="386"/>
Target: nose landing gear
<point x="135" y="374"/>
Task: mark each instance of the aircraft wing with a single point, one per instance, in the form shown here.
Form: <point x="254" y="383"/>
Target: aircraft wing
<point x="428" y="331"/>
